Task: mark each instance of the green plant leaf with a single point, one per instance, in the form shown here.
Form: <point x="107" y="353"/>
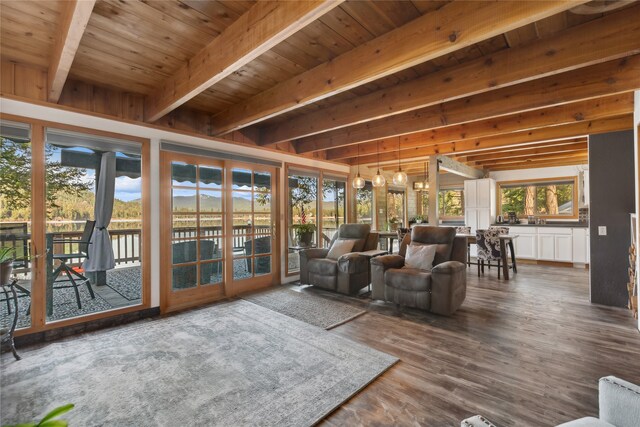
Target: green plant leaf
<point x="54" y="423"/>
<point x="56" y="412"/>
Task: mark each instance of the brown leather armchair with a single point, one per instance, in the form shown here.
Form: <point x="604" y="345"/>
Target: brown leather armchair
<point x="350" y="272"/>
<point x="441" y="290"/>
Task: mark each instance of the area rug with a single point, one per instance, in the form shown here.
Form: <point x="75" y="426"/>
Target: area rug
<point x="126" y="281"/>
<point x="231" y="364"/>
<point x="305" y="306"/>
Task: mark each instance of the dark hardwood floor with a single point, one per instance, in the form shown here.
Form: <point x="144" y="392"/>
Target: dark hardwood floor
<point x="527" y="352"/>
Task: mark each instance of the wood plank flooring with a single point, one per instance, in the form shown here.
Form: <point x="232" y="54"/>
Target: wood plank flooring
<point x="527" y="352"/>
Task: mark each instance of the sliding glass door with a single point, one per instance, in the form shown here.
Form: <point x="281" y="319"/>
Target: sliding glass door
<point x="220" y="237"/>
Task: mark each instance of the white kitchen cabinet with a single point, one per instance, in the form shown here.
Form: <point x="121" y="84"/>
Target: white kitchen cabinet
<point x="580" y="248"/>
<point x="470" y="194"/>
<point x="563" y="247"/>
<point x="485" y="193"/>
<point x="480" y="203"/>
<point x="526" y="243"/>
<point x="555" y="244"/>
<point x="546" y="247"/>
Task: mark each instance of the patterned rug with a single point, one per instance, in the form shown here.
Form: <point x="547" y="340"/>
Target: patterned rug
<point x="231" y="364"/>
<point x="306" y="306"/>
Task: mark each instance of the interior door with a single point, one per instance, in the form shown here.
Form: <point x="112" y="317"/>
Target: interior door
<point x="251" y="216"/>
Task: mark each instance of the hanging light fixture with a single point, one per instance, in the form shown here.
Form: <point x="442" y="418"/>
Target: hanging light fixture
<point x="358" y="181"/>
<point x="378" y="180"/>
<point x="399" y="178"/>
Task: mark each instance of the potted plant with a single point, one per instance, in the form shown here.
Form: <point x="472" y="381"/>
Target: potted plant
<point x="419" y="219"/>
<point x="6" y="265"/>
<point x="304" y="233"/>
<point x="394" y="222"/>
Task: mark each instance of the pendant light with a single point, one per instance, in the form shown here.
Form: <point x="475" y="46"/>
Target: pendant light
<point x="358" y="181"/>
<point x="399" y="178"/>
<point x="378" y="180"/>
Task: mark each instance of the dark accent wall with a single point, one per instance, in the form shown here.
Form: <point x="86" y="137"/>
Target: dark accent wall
<point x="612" y="199"/>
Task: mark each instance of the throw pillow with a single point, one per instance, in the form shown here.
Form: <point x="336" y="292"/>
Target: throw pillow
<point x="339" y="248"/>
<point x="420" y="256"/>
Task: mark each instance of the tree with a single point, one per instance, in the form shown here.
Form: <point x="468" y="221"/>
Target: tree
<point x="15" y="178"/>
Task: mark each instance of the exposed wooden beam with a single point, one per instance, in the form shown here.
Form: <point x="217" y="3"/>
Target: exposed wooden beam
<point x="73" y="21"/>
<point x="545" y="157"/>
<point x="609" y="78"/>
<point x="611" y="37"/>
<point x="578" y="146"/>
<point x="535" y="165"/>
<point x="454" y="26"/>
<point x="453" y="166"/>
<point x="568" y="131"/>
<point x="262" y="27"/>
<point x="592" y="109"/>
<point x="516" y="148"/>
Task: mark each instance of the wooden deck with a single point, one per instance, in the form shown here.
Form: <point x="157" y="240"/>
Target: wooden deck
<point x="524" y="352"/>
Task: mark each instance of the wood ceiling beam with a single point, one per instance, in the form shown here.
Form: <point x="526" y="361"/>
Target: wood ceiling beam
<point x="517" y="148"/>
<point x="454" y="26"/>
<point x="591" y="109"/>
<point x="567" y="131"/>
<point x="541" y="164"/>
<point x="609" y="78"/>
<point x="73" y="21"/>
<point x="526" y="153"/>
<point x="262" y="27"/>
<point x="553" y="156"/>
<point x="600" y="40"/>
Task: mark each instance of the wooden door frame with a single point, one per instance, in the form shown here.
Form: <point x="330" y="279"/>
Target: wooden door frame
<point x="255" y="282"/>
<point x="187" y="298"/>
<point x="38" y="224"/>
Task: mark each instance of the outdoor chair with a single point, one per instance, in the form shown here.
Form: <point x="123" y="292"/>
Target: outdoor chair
<point x="73" y="275"/>
<point x="262" y="246"/>
<point x="186" y="252"/>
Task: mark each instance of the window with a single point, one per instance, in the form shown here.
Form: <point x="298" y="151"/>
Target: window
<point x="364" y="204"/>
<point x="333" y="205"/>
<point x="450" y="203"/>
<point x="543" y="198"/>
<point x="395" y="208"/>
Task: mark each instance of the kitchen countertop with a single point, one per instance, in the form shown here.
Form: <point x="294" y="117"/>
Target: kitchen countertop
<point x="555" y="224"/>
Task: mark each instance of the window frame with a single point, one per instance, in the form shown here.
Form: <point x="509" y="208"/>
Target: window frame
<point x="425" y="215"/>
<point x="540" y="181"/>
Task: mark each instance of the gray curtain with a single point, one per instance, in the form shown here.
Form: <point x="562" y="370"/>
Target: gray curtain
<point x="100" y="250"/>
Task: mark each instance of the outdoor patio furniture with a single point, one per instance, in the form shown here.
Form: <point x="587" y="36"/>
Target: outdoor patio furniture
<point x="186" y="252"/>
<point x="6" y="334"/>
<point x="65" y="258"/>
<point x="263" y="246"/>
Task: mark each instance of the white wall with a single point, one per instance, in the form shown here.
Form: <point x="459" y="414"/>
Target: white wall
<point x="537" y="173"/>
<point x="155" y="135"/>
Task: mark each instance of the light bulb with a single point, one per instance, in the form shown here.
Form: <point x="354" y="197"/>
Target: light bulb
<point x="378" y="180"/>
<point x="400" y="178"/>
<point x="358" y="182"/>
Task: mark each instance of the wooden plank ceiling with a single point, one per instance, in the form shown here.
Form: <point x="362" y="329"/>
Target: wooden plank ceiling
<point x="497" y="85"/>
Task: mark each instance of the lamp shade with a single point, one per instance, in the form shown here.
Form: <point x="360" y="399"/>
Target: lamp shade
<point x="378" y="180"/>
<point x="400" y="178"/>
<point x="358" y="182"/>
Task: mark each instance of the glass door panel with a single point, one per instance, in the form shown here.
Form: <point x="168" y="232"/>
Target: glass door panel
<point x="15" y="219"/>
<point x="93" y="225"/>
<point x="197" y="232"/>
<point x="253" y="221"/>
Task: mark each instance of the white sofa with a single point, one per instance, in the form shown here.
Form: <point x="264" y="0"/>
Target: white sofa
<point x="619" y="404"/>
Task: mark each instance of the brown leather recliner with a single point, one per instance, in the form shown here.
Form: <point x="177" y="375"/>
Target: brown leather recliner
<point x="441" y="290"/>
<point x="349" y="273"/>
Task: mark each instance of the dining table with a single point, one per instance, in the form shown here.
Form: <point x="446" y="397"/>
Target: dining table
<point x="506" y="240"/>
